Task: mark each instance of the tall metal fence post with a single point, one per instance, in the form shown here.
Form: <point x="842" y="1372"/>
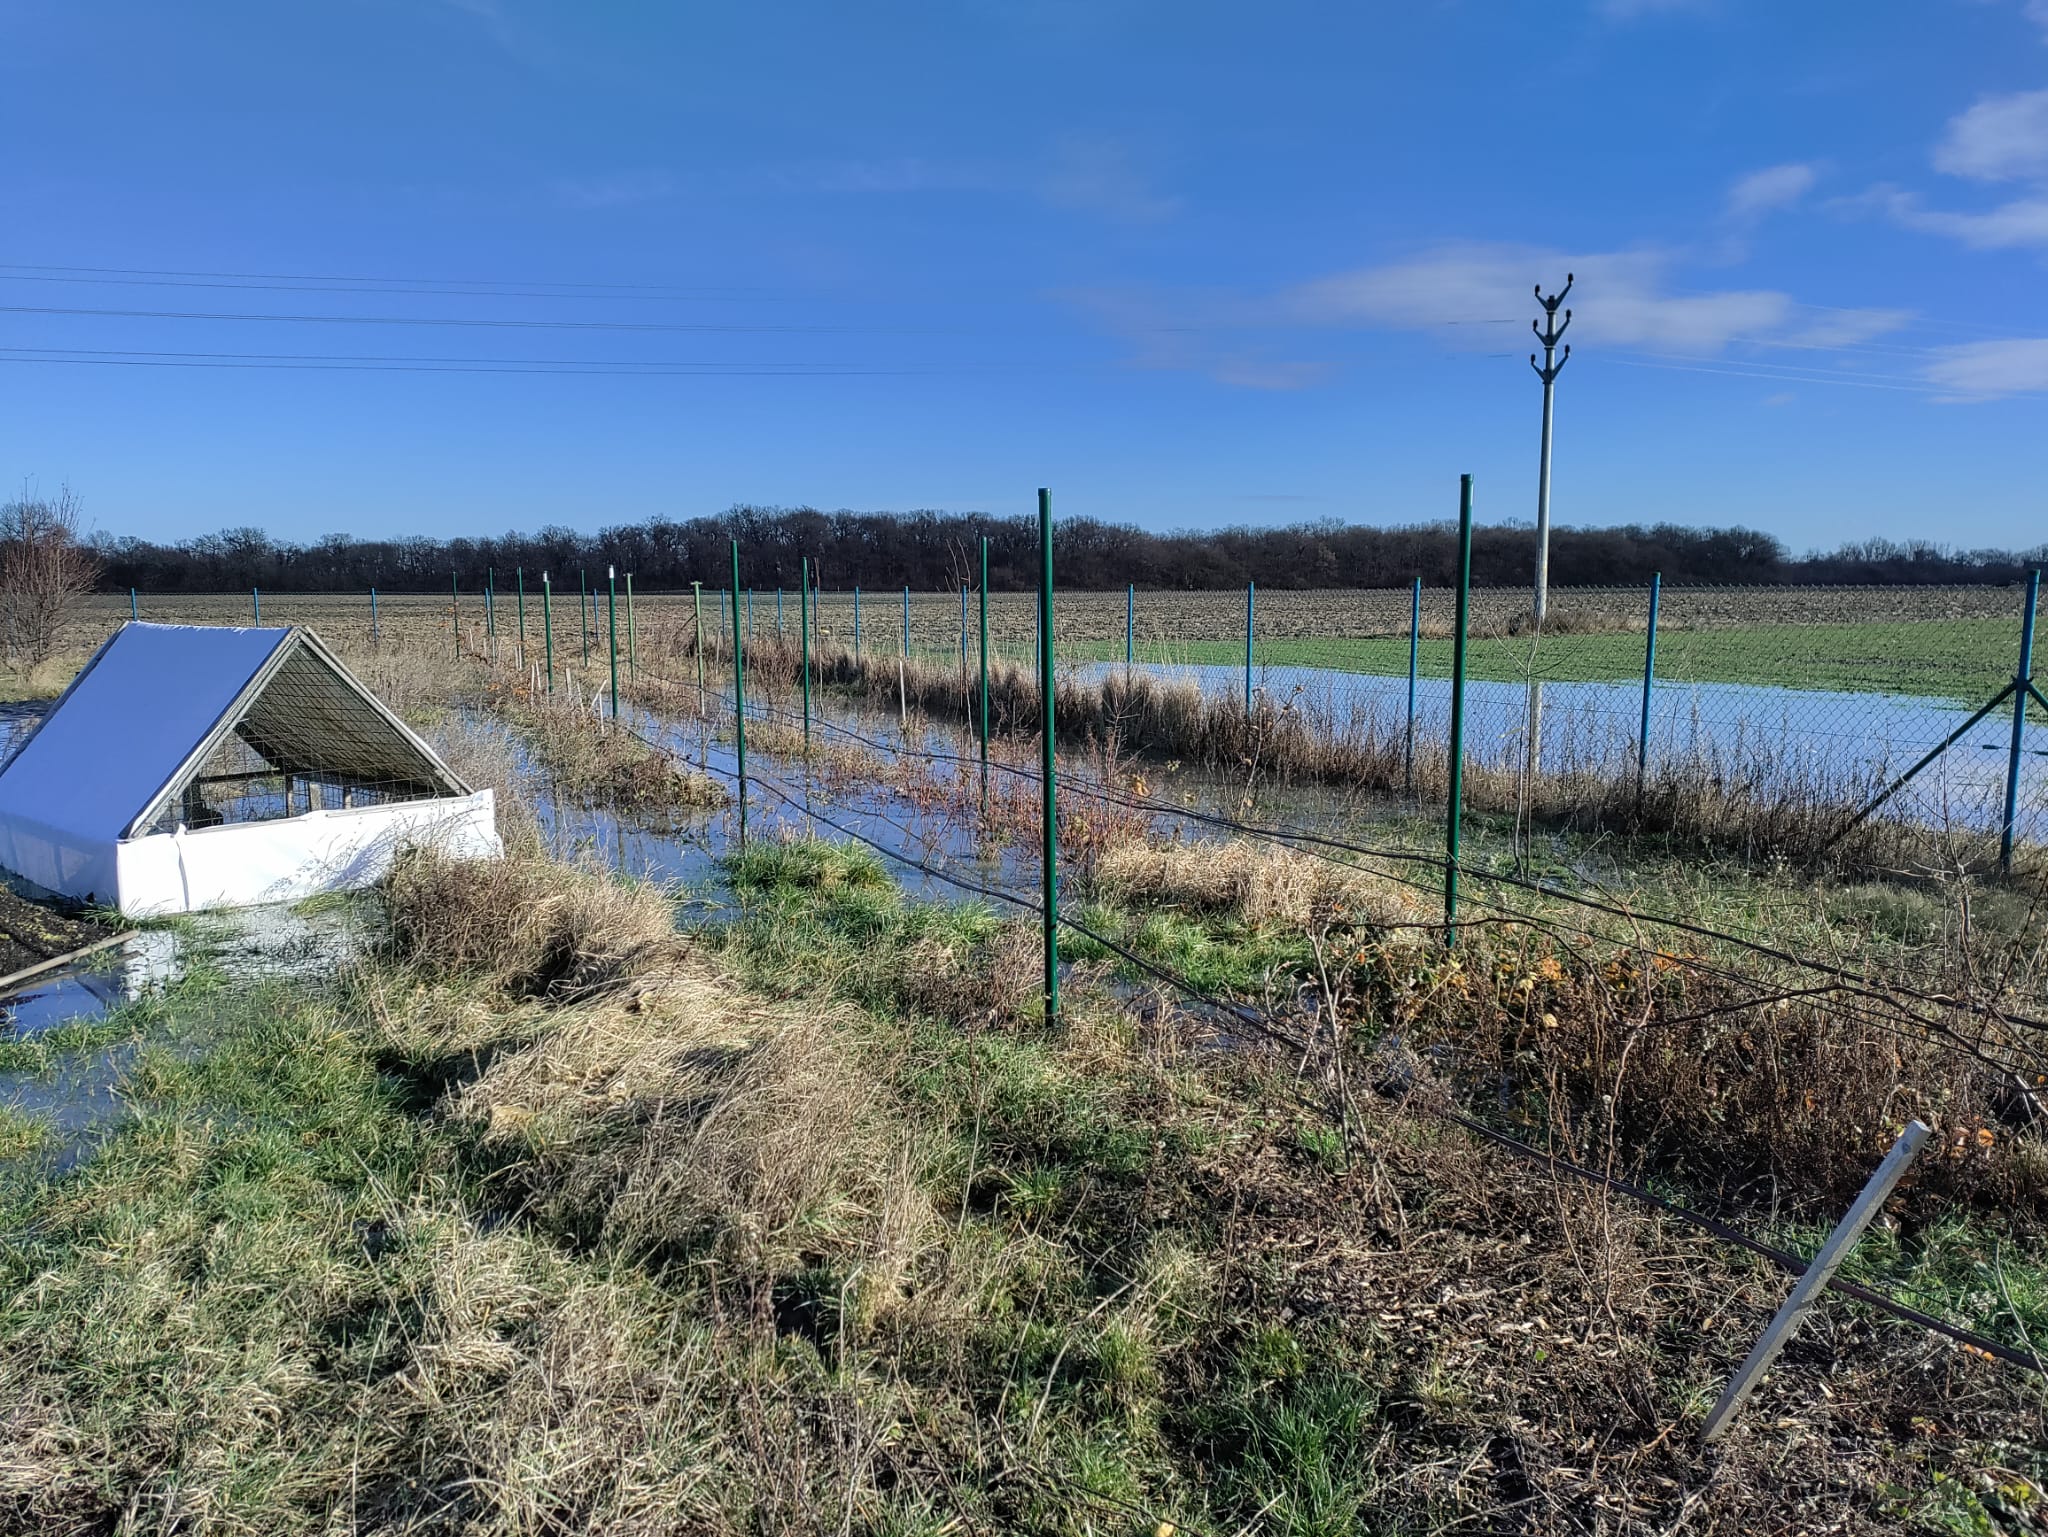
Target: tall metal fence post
<point x="1414" y="656"/>
<point x="256" y="604"/>
<point x="739" y="696"/>
<point x="804" y="623"/>
<point x="1454" y="814"/>
<point x="697" y="604"/>
<point x="1649" y="681"/>
<point x="519" y="575"/>
<point x="963" y="630"/>
<point x="135" y="611"/>
<point x="1250" y="596"/>
<point x="490" y="608"/>
<point x="2022" y="688"/>
<point x="984" y="675"/>
<point x="750" y="612"/>
<point x="375" y="637"/>
<point x="583" y="602"/>
<point x="455" y="609"/>
<point x="856" y="624"/>
<point x="1130" y="628"/>
<point x="632" y="644"/>
<point x="547" y="624"/>
<point x="1051" y="807"/>
<point x="611" y="574"/>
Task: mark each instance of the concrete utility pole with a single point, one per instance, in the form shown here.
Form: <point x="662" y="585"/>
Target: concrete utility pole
<point x="1549" y="332"/>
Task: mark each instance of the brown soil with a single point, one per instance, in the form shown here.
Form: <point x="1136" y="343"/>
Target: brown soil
<point x="31" y="934"/>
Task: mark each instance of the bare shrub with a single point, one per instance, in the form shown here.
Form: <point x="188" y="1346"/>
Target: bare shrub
<point x="44" y="573"/>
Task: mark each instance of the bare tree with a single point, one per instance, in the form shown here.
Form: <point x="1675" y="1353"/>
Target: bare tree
<point x="44" y="572"/>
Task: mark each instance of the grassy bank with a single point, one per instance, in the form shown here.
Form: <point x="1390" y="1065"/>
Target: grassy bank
<point x="554" y="1219"/>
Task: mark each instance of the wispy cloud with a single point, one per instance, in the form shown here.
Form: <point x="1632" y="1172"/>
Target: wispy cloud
<point x="1102" y="176"/>
<point x="1629" y="10"/>
<point x="1999" y="138"/>
<point x="1983" y="370"/>
<point x="615" y="189"/>
<point x="1766" y="191"/>
<point x="1468" y="295"/>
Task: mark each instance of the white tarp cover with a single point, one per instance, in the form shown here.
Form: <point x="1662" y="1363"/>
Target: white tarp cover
<point x="135" y="716"/>
<point x="128" y="723"/>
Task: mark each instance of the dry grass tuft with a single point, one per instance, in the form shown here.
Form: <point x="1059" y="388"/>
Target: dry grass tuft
<point x="525" y="925"/>
<point x="686" y="1120"/>
<point x="1259" y="883"/>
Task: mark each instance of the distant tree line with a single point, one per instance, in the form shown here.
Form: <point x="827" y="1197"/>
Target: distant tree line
<point x="938" y="550"/>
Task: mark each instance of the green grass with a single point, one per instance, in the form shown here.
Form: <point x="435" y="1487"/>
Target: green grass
<point x="1966" y="660"/>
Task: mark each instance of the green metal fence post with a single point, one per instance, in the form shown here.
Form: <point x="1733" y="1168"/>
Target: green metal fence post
<point x="519" y="575"/>
<point x="803" y="599"/>
<point x="2022" y="688"/>
<point x="611" y="574"/>
<point x="1649" y="681"/>
<point x="583" y="602"/>
<point x="632" y="645"/>
<point x="1455" y="810"/>
<point x="697" y="603"/>
<point x="256" y="605"/>
<point x="455" y="599"/>
<point x="984" y="675"/>
<point x="1414" y="656"/>
<point x="739" y="694"/>
<point x="1249" y="597"/>
<point x="135" y="612"/>
<point x="856" y="624"/>
<point x="1051" y="808"/>
<point x="547" y="624"/>
<point x="1130" y="628"/>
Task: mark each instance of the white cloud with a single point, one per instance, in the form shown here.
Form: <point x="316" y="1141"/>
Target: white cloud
<point x="1979" y="370"/>
<point x="1999" y="138"/>
<point x="2021" y="222"/>
<point x="1468" y="295"/>
<point x="1101" y="176"/>
<point x="1471" y="284"/>
<point x="1847" y="328"/>
<point x="1774" y="187"/>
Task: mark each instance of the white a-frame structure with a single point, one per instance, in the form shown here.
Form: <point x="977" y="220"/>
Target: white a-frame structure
<point x="194" y="766"/>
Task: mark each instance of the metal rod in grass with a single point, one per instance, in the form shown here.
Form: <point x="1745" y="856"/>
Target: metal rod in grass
<point x="739" y="697"/>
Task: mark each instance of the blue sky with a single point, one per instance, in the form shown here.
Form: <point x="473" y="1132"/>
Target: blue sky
<point x="1186" y="263"/>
